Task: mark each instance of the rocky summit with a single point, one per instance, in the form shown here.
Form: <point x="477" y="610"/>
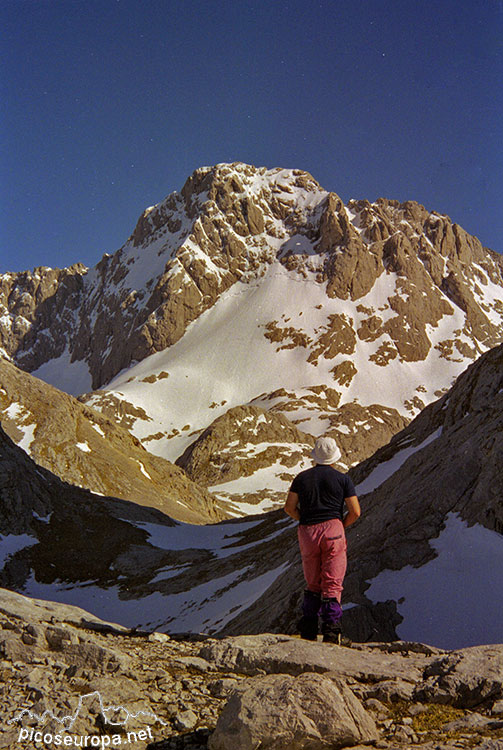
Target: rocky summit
<point x="70" y="678"/>
<point x="230" y="223"/>
<point x="182" y="382"/>
<point x="255" y="287"/>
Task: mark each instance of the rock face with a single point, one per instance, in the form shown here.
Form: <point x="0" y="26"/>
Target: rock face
<point x="129" y="562"/>
<point x="230" y="222"/>
<point x="68" y="674"/>
<point x="86" y="449"/>
<point x="359" y="430"/>
<point x="39" y="310"/>
<point x="244" y="444"/>
<point x="245" y="576"/>
<point x="56" y="532"/>
<point x="251" y="280"/>
<point x="438" y="479"/>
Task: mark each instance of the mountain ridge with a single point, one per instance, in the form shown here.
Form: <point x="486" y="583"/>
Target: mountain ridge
<point x="87" y="449"/>
<point x="255" y="287"/>
<point x="244" y="575"/>
<point x="200" y="234"/>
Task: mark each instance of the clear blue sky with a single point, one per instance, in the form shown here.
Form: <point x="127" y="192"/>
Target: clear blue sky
<point x="109" y="105"/>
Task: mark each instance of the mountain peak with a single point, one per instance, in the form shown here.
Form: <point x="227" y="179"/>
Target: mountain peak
<point x="237" y="224"/>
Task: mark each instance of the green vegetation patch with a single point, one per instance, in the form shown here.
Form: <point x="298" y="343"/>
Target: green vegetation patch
<point x="435" y="717"/>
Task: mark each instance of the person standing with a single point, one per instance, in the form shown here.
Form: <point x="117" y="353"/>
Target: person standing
<point x="316" y="500"/>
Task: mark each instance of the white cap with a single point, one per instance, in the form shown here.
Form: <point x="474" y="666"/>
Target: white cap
<point x="325" y="451"/>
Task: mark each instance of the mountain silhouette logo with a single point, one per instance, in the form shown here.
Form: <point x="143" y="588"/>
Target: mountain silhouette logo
<point x="68" y="721"/>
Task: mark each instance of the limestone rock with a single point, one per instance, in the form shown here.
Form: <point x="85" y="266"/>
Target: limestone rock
<point x="211" y="460"/>
<point x="230" y="223"/>
<point x="186" y="719"/>
<point x="52" y="662"/>
<point x="280" y="653"/>
<point x="469" y="678"/>
<point x="35" y="611"/>
<point x="38" y="302"/>
<point x="239" y="445"/>
<point x="85" y="448"/>
<point x="288" y="713"/>
<point x="73" y="648"/>
<point x="358" y="430"/>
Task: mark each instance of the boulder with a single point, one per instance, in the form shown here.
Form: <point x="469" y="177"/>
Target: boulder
<point x="286" y="654"/>
<point x="282" y="712"/>
<point x="41" y="610"/>
<point x="467" y="678"/>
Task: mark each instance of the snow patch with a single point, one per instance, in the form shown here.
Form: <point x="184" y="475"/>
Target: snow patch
<point x="72" y="377"/>
<point x="465" y="582"/>
<point x="12" y="543"/>
<point x="28" y="437"/>
<point x="143" y="470"/>
<point x="386" y="469"/>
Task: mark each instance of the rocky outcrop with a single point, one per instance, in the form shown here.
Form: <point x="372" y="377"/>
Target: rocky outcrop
<point x="230" y="223"/>
<point x="247" y="429"/>
<point x="458" y="441"/>
<point x="439" y="267"/>
<point x="38" y="311"/>
<point x="70" y="675"/>
<point x="288" y="713"/>
<point x="352" y="679"/>
<point x="246" y="576"/>
<point x="466" y="425"/>
<point x="444" y="464"/>
<point x="85" y="448"/>
<point x="359" y="430"/>
<point x="243" y="444"/>
<point x="249" y="456"/>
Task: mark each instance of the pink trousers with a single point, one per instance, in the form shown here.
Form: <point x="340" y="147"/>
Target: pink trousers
<point x="323" y="551"/>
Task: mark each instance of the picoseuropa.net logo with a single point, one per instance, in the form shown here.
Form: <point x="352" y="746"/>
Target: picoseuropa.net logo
<point x="117" y="716"/>
<point x="46" y="739"/>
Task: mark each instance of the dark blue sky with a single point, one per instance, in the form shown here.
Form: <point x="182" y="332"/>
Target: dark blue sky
<point x="109" y="105"/>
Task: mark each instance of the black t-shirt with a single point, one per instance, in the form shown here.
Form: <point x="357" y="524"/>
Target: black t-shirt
<point x="321" y="492"/>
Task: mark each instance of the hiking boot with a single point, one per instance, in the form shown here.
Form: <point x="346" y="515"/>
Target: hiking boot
<point x="334" y="635"/>
<point x="308" y="628"/>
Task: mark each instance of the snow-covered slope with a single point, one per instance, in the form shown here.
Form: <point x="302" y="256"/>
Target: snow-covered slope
<point x="226" y="358"/>
<point x="257" y="287"/>
<point x="418" y="558"/>
<point x="85" y="448"/>
<point x="133" y="562"/>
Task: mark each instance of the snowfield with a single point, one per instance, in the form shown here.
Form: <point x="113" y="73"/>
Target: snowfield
<point x="219" y="362"/>
<point x="455" y="600"/>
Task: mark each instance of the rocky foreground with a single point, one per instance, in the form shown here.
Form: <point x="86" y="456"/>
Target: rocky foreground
<point x="69" y="676"/>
